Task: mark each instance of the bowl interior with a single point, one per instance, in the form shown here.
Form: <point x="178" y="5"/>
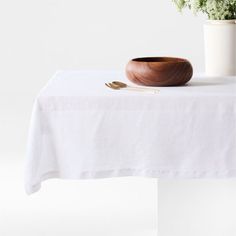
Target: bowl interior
<point x="159" y="59"/>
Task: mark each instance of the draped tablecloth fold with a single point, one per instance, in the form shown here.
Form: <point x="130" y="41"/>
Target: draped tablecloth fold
<point x="80" y="129"/>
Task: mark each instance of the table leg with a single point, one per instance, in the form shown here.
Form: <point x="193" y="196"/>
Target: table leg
<point x="197" y="208"/>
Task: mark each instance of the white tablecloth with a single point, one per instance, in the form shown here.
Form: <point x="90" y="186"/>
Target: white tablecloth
<point x="82" y="129"/>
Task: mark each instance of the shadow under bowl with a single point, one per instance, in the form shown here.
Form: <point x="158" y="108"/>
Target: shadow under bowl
<point x="159" y="71"/>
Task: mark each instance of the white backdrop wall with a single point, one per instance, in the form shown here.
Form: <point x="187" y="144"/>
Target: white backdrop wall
<point x="36" y="39"/>
<point x="39" y="37"/>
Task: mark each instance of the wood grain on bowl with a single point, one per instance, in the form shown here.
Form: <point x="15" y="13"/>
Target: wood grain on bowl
<point x="159" y="71"/>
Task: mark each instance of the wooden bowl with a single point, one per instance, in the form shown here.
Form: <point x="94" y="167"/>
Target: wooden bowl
<point x="159" y="71"/>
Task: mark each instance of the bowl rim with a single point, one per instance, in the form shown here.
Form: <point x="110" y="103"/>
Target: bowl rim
<point x="161" y="60"/>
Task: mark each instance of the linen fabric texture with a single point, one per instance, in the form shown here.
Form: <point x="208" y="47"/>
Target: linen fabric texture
<point x="80" y="129"/>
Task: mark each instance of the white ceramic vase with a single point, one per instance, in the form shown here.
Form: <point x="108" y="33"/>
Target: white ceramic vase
<point x="220" y="47"/>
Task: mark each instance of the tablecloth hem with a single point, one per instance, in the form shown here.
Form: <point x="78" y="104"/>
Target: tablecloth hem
<point x="159" y="174"/>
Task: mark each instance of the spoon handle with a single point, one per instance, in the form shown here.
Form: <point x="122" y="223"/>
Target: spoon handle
<point x="144" y="88"/>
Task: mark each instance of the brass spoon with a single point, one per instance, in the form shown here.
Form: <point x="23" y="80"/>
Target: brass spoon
<point x="123" y="85"/>
<point x="117" y="87"/>
<point x="112" y="86"/>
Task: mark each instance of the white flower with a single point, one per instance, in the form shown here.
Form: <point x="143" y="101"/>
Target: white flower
<point x="215" y="9"/>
